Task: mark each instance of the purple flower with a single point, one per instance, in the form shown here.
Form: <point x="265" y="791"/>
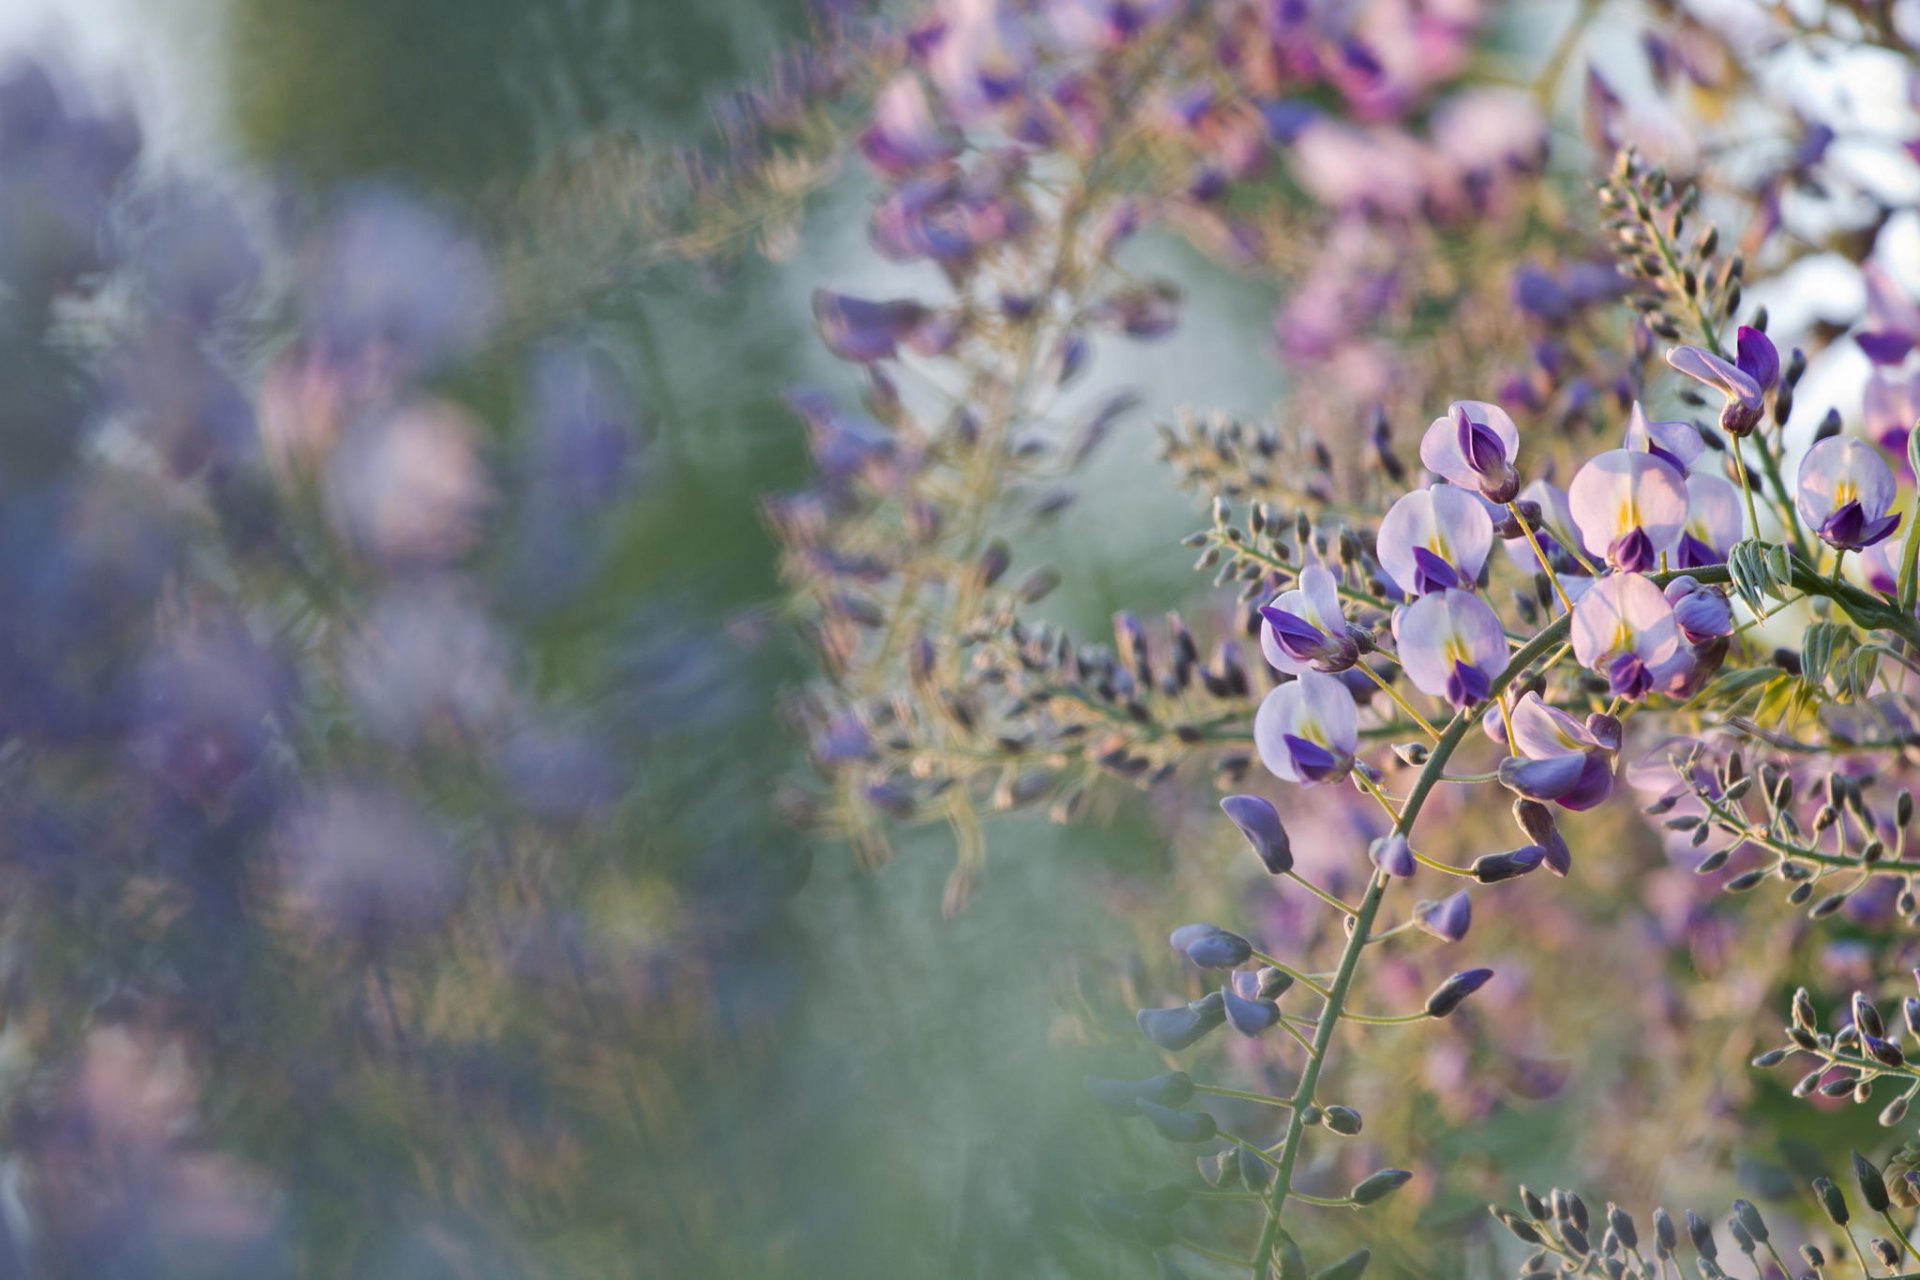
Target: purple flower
<point x="1742" y="390"/>
<point x="1630" y="507"/>
<point x="1881" y="563"/>
<point x="1435" y="539"/>
<point x="1624" y="629"/>
<point x="1754" y="353"/>
<point x="1393" y="855"/>
<point x="1896" y="321"/>
<point x="1308" y="729"/>
<point x="1259" y="822"/>
<point x="1303" y="628"/>
<point x="979" y="58"/>
<point x="1451" y="645"/>
<point x="1844" y="490"/>
<point x="1677" y="443"/>
<point x="1447" y="919"/>
<point x="390" y="281"/>
<point x="364" y="863"/>
<point x="863" y="331"/>
<point x="904" y="137"/>
<point x="1560" y="758"/>
<point x="1474" y="446"/>
<point x="1715" y="521"/>
<point x="1892" y="405"/>
<point x="1703" y="613"/>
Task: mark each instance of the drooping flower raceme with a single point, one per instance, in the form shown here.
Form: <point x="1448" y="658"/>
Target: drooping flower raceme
<point x="1844" y="492"/>
<point x="1451" y="645"/>
<point x="1474" y="446"/>
<point x="1308" y="729"/>
<point x="1630" y="507"/>
<point x="1624" y="629"/>
<point x="1560" y="759"/>
<point x="1435" y="539"/>
<point x="1304" y="628"/>
<point x="1677" y="443"/>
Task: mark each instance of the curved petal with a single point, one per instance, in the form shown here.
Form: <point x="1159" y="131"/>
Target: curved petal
<point x="1624" y="613"/>
<point x="1272" y="724"/>
<point x="1840" y="470"/>
<point x="1714" y="513"/>
<point x="1679" y="441"/>
<point x="1437" y="631"/>
<point x="1444" y="521"/>
<point x="1542" y="731"/>
<point x="1621" y="491"/>
<point x="1331" y="718"/>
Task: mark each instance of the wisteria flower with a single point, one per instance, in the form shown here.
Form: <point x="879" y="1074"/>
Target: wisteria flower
<point x="1715" y="522"/>
<point x="1560" y="759"/>
<point x="864" y="331"/>
<point x="1702" y="613"/>
<point x="1624" y="629"/>
<point x="1435" y="539"/>
<point x="1881" y="563"/>
<point x="1739" y="384"/>
<point x="1630" y="507"/>
<point x="1895" y="320"/>
<point x="1474" y="446"/>
<point x="1844" y="491"/>
<point x="1304" y="628"/>
<point x="1308" y="729"/>
<point x="1678" y="443"/>
<point x="1451" y="645"/>
<point x="1892" y="406"/>
<point x="904" y="137"/>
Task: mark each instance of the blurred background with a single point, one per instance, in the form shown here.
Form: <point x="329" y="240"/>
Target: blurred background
<point x="660" y="1032"/>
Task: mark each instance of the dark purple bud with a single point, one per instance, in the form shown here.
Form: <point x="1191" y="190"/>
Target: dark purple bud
<point x="1702" y="1235"/>
<point x="1492" y="868"/>
<point x="1173" y="1089"/>
<point x="1210" y="946"/>
<point x="1757" y="358"/>
<point x="1393" y="855"/>
<point x="1605" y="730"/>
<point x="1249" y="1017"/>
<point x="1377" y="1186"/>
<point x="1180" y="1126"/>
<point x="1176" y="1028"/>
<point x="1449" y="918"/>
<point x="1259" y="822"/>
<point x="1451" y="993"/>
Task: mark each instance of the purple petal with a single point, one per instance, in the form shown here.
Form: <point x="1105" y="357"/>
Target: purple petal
<point x="1757" y="357"/>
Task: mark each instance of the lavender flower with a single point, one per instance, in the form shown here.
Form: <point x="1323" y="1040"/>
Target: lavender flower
<point x="1451" y="645"/>
<point x="1630" y="507"/>
<point x="1474" y="446"/>
<point x="1844" y="492"/>
<point x="1715" y="521"/>
<point x="1741" y="389"/>
<point x="1896" y="321"/>
<point x="1702" y="613"/>
<point x="1308" y="729"/>
<point x="1304" y="628"/>
<point x="1562" y="759"/>
<point x="1624" y="629"/>
<point x="1675" y="443"/>
<point x="1435" y="539"/>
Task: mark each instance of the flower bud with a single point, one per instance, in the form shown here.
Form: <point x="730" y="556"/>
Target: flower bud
<point x="1210" y="946"/>
<point x="1873" y="1188"/>
<point x="1180" y="1126"/>
<point x="1831" y="1200"/>
<point x="1392" y="855"/>
<point x="1173" y="1089"/>
<point x="1450" y="994"/>
<point x="1259" y="822"/>
<point x="1377" y="1186"/>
